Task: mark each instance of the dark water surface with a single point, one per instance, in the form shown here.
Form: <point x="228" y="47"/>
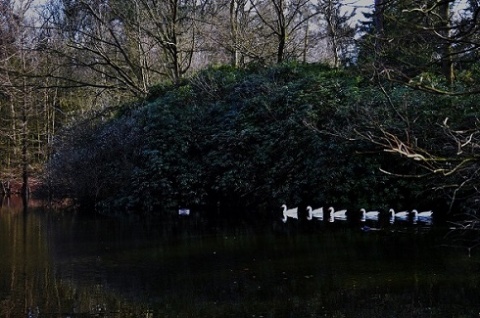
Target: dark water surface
<point x="64" y="265"/>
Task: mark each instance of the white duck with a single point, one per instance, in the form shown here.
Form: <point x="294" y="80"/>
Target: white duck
<point x="391" y="216"/>
<point x="424" y="216"/>
<point x="337" y="215"/>
<point x="317" y="213"/>
<point x="402" y="215"/>
<point x="289" y="213"/>
<point x="369" y="215"/>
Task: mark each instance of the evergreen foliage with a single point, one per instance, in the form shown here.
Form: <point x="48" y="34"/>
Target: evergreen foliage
<point x="238" y="142"/>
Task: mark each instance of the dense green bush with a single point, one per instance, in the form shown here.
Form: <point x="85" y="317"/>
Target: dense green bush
<point x="230" y="141"/>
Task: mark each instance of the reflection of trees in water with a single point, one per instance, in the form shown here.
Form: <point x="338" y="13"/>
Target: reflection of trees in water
<point x="28" y="282"/>
<point x="14" y="204"/>
<point x="465" y="234"/>
<point x="24" y="252"/>
<point x="11" y="204"/>
<point x="56" y="265"/>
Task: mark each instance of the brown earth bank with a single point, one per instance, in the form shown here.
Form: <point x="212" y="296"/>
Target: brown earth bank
<point x="11" y="194"/>
<point x="14" y="186"/>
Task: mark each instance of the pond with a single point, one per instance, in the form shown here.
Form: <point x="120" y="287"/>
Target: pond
<point x="58" y="264"/>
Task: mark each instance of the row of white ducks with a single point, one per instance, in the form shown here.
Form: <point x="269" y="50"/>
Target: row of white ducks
<point x="318" y="214"/>
<point x="414" y="215"/>
<point x="332" y="214"/>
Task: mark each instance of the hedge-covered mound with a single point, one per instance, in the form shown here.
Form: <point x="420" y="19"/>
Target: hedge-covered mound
<point x="243" y="142"/>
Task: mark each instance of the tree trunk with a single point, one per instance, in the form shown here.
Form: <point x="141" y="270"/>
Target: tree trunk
<point x="282" y="30"/>
<point x="24" y="151"/>
<point x="281" y="46"/>
<point x="378" y="20"/>
<point x="332" y="32"/>
<point x="305" y="43"/>
<point x="234" y="32"/>
<point x="447" y="62"/>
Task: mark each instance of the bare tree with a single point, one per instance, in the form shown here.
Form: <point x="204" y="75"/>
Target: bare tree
<point x="124" y="45"/>
<point x="21" y="133"/>
<point x="172" y="25"/>
<point x="284" y="19"/>
<point x="91" y="45"/>
<point x="457" y="164"/>
<point x="338" y="32"/>
<point x="238" y="17"/>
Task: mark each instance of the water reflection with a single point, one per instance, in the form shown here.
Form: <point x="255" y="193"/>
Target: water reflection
<point x="64" y="265"/>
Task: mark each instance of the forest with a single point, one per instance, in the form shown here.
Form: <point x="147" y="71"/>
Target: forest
<point x="236" y="107"/>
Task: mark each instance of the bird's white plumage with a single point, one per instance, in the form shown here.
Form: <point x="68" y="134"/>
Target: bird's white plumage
<point x="289" y="213"/>
<point x="401" y="215"/>
<point x="424" y="216"/>
<point x="317" y="213"/>
<point x="369" y="215"/>
<point x="337" y="215"/>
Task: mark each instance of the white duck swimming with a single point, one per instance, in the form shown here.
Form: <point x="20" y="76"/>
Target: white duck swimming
<point x="317" y="213"/>
<point x="369" y="215"/>
<point x="337" y="215"/>
<point x="424" y="216"/>
<point x="391" y="216"/>
<point x="289" y="213"/>
<point x="402" y="215"/>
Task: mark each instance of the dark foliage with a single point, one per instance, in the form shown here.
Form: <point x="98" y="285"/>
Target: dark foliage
<point x="241" y="143"/>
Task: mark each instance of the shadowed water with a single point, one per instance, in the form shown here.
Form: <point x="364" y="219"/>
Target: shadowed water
<point x="64" y="265"/>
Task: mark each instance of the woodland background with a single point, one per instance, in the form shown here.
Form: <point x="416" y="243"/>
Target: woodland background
<point x="141" y="106"/>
